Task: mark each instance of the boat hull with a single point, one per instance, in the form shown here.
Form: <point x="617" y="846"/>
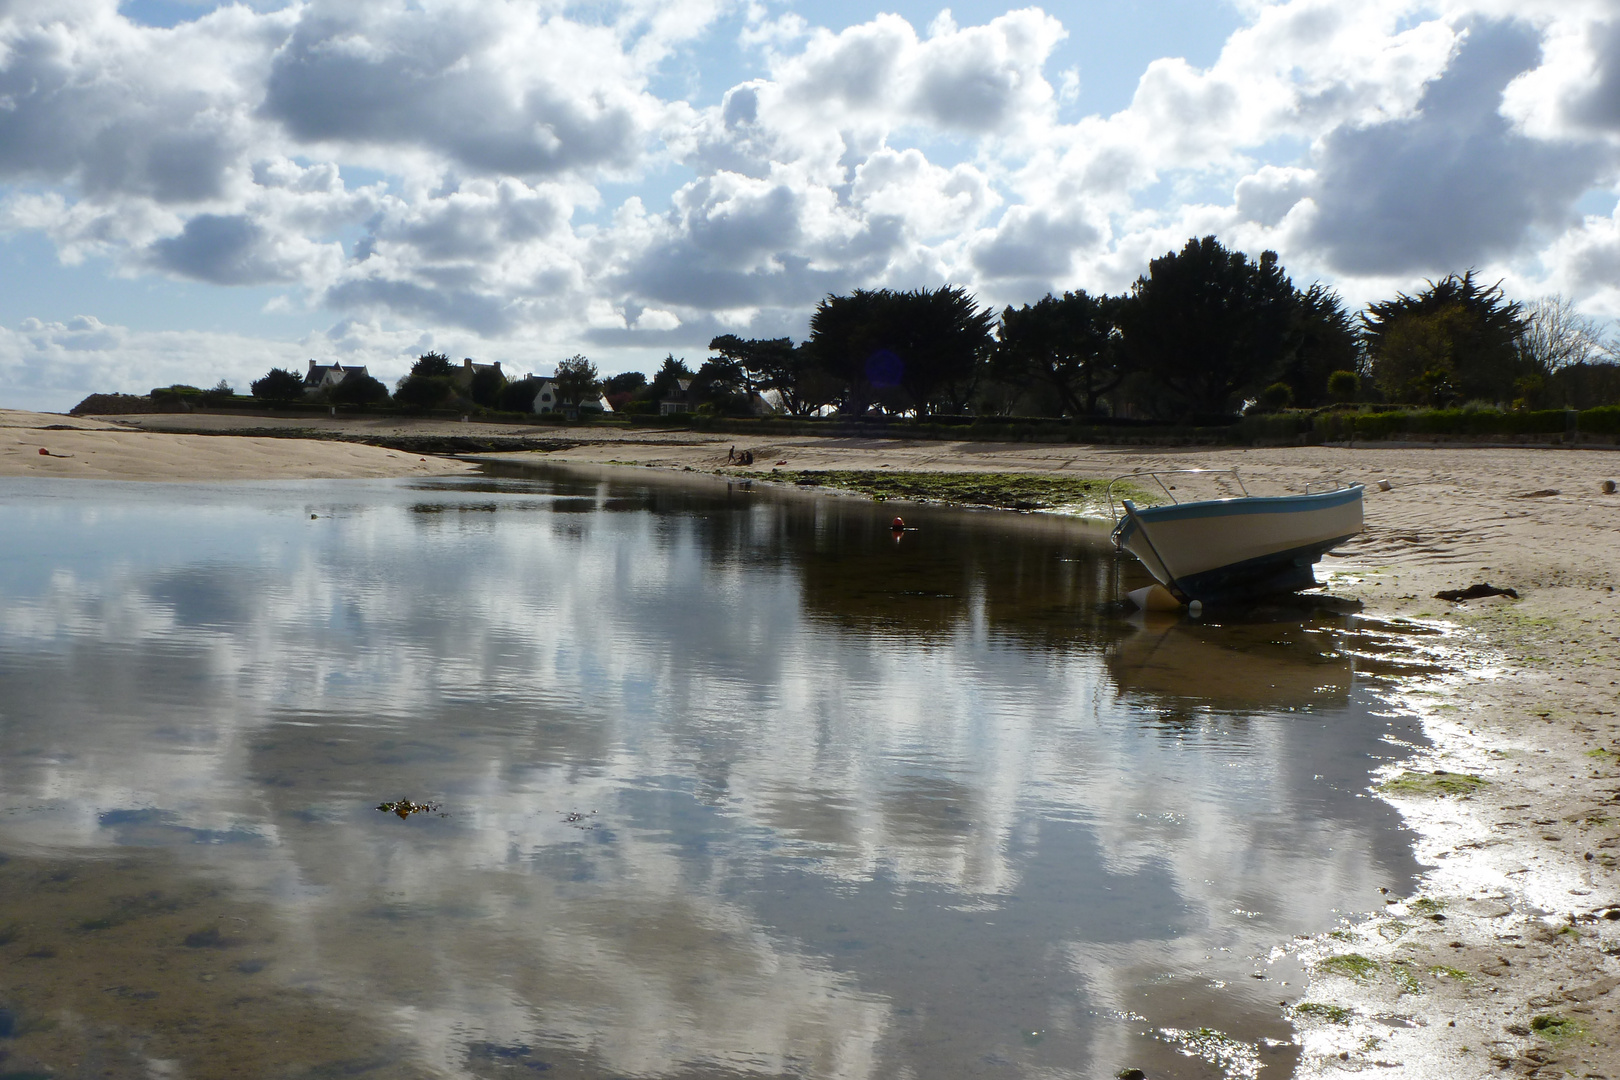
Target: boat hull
<point x="1227" y="550"/>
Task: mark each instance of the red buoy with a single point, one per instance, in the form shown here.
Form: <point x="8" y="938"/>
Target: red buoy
<point x="899" y="523"/>
<point x="44" y="451"/>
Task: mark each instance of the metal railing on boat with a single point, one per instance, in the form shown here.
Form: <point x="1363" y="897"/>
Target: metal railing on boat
<point x="1169" y="490"/>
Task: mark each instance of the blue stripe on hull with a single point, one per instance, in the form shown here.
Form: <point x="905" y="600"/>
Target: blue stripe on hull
<point x="1254" y="504"/>
<point x="1137" y="517"/>
<point x="1279" y="572"/>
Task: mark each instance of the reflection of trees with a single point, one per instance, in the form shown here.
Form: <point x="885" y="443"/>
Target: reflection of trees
<point x="1039" y="578"/>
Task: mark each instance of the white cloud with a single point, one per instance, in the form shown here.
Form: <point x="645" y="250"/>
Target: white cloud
<point x="53" y="365"/>
<point x="1372" y="144"/>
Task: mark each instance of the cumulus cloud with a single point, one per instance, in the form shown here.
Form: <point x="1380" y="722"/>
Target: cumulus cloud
<point x="497" y="88"/>
<point x="88" y="98"/>
<point x="51" y="365"/>
<point x="469" y="170"/>
<point x="1454" y="185"/>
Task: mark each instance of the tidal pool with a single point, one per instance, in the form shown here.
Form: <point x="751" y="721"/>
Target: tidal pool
<point x="722" y="783"/>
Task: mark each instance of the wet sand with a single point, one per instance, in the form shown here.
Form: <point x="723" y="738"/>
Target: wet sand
<point x="1506" y="961"/>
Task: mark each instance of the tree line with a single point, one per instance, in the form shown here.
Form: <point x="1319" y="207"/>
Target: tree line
<point x="1205" y="333"/>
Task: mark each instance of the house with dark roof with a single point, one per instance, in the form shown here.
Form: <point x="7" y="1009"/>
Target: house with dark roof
<point x="464" y="374"/>
<point x="678" y="400"/>
<point x="322" y="377"/>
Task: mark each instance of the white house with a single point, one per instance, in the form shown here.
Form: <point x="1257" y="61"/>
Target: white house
<point x="545" y="399"/>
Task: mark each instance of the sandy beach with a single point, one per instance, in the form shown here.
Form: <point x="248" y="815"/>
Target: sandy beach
<point x="91" y="449"/>
<point x="1507" y="959"/>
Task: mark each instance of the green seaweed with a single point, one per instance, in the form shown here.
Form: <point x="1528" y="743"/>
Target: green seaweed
<point x="1438" y="782"/>
<point x="1552" y="1027"/>
<point x="1442" y="971"/>
<point x="1012" y="491"/>
<point x="1350" y="965"/>
<point x="1406" y="979"/>
<point x="1320" y="1010"/>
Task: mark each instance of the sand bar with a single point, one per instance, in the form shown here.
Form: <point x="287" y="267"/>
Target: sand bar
<point x="1519" y="919"/>
<point x="89" y="449"/>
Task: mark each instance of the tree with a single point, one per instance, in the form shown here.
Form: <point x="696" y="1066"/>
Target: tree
<point x="432" y="365"/>
<point x="279" y="384"/>
<point x="430" y="383"/>
<point x="519" y="396"/>
<point x="576" y="381"/>
<point x="1067" y="344"/>
<point x="486" y="386"/>
<point x="667" y="380"/>
<point x="777" y="364"/>
<point x="621" y="387"/>
<point x="722" y="384"/>
<point x="1557" y="336"/>
<point x="424" y="392"/>
<point x="1453" y="341"/>
<point x="358" y="390"/>
<point x="1277" y="396"/>
<point x="1328" y="343"/>
<point x="903" y="350"/>
<point x="1208" y="327"/>
<point x="220" y="394"/>
<point x="1344" y="385"/>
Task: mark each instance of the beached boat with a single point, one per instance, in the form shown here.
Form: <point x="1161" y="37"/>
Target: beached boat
<point x="1223" y="551"/>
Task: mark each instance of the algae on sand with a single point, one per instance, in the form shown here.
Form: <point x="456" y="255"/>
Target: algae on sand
<point x="1553" y="1027"/>
<point x="1350" y="965"/>
<point x="1332" y="1014"/>
<point x="1009" y="491"/>
<point x="1438" y="782"/>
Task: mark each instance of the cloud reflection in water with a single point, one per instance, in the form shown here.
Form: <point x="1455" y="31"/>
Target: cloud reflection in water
<point x="849" y="808"/>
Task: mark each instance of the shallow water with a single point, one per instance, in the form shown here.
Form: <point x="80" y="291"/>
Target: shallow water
<point x="727" y="783"/>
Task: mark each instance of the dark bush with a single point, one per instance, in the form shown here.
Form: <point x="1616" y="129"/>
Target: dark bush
<point x="1279" y="395"/>
<point x="518" y="396"/>
<point x="279" y="384"/>
<point x="425" y="391"/>
<point x="1344" y="385"/>
<point x="358" y="390"/>
<point x="432" y="365"/>
<point x="486" y="386"/>
<point x="1604" y="420"/>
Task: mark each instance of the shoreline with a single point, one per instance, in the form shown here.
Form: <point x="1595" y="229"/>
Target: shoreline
<point x="1508" y="959"/>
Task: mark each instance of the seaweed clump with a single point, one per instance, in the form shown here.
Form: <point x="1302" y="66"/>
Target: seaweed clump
<point x="1351" y="965"/>
<point x="404" y="808"/>
<point x="1438" y="782"/>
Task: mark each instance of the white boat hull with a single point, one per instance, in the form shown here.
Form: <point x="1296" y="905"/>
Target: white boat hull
<point x="1225" y="550"/>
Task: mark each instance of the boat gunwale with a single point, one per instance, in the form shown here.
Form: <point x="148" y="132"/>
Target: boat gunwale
<point x="1246" y="504"/>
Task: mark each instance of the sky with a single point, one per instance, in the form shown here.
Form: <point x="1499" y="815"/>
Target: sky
<point x="195" y="191"/>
